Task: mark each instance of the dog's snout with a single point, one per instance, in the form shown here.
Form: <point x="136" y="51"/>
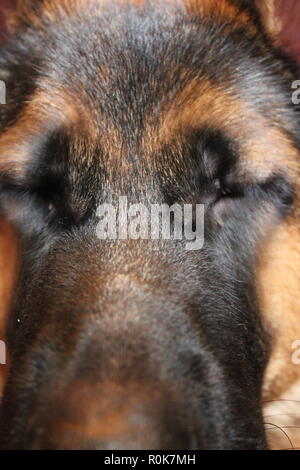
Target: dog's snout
<point x="111" y="417"/>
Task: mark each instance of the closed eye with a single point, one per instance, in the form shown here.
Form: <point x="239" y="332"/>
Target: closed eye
<point x="223" y="190"/>
<point x="236" y="199"/>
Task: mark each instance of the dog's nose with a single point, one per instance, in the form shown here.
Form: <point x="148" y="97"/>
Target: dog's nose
<point x="114" y="418"/>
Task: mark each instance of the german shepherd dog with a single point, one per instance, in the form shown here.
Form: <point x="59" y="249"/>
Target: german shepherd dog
<point x="136" y="343"/>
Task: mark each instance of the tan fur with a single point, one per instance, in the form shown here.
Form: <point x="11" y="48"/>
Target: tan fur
<point x="282" y="420"/>
<point x="279" y="286"/>
<point x="221" y="11"/>
<point x="265" y="148"/>
<point x="48" y="109"/>
<point x="267" y="9"/>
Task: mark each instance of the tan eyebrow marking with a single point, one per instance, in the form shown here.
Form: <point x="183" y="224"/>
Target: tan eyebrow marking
<point x="264" y="148"/>
<point x="48" y="109"/>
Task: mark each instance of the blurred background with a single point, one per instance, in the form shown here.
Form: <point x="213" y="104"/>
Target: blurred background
<point x="288" y="11"/>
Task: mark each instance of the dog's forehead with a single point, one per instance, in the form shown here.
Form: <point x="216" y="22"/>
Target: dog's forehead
<point x="122" y="81"/>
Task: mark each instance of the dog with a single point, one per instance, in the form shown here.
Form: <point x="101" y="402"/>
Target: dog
<point x="139" y="343"/>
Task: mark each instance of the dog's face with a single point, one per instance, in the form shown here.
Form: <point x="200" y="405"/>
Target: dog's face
<point x="138" y="344"/>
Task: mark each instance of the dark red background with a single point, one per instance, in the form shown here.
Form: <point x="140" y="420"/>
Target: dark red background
<point x="288" y="10"/>
<point x="4" y="4"/>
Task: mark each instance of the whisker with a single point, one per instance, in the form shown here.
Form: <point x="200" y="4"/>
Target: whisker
<point x="281" y="400"/>
<point x="282" y="414"/>
<point x="282" y="430"/>
<point x="287" y="427"/>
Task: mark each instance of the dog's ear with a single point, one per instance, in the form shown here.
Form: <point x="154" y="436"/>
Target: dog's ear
<point x="242" y="11"/>
<point x="269" y="18"/>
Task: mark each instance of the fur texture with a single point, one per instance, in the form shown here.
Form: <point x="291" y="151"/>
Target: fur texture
<point x="141" y="344"/>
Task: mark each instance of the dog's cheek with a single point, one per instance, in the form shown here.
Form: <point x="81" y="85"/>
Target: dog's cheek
<point x="8" y="269"/>
<point x="278" y="278"/>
